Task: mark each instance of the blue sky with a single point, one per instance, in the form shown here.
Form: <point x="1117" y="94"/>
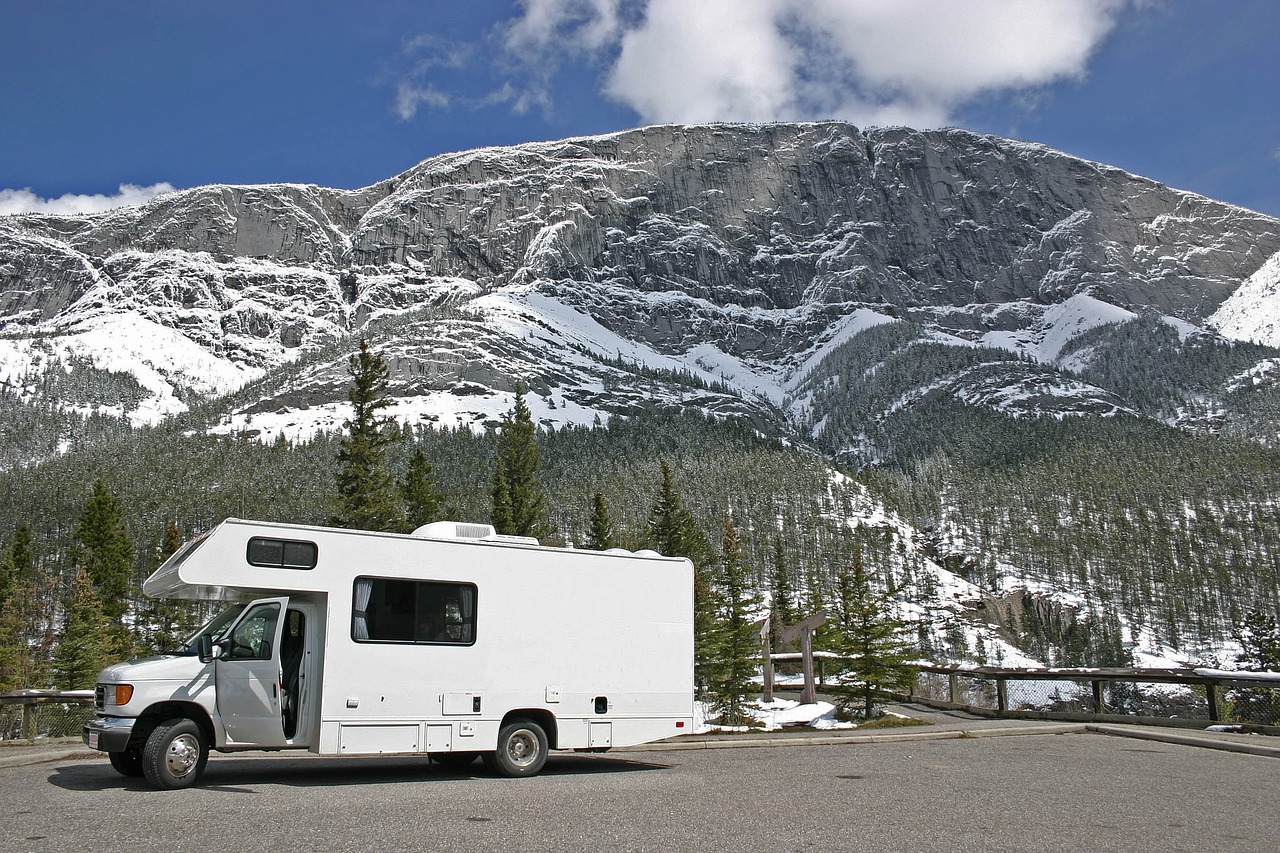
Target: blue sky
<point x="96" y="95"/>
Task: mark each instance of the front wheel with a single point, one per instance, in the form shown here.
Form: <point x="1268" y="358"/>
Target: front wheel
<point x="175" y="754"/>
<point x="522" y="749"/>
<point x="127" y="763"/>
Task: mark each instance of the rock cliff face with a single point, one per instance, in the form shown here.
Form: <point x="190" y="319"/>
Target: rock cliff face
<point x="743" y="256"/>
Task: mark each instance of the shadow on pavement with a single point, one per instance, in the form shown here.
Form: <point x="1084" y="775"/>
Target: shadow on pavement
<point x="232" y="774"/>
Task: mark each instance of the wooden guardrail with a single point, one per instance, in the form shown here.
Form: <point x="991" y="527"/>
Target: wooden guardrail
<point x="993" y="684"/>
<point x="29" y="726"/>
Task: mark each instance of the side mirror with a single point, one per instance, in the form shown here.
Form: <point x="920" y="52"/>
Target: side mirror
<point x="206" y="650"/>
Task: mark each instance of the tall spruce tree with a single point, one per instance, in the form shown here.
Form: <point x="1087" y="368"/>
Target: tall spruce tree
<point x="367" y="495"/>
<point x="418" y="490"/>
<point x="516" y="475"/>
<point x="736" y="642"/>
<point x="675" y="534"/>
<point x="871" y="641"/>
<point x="17" y="564"/>
<point x="104" y="551"/>
<point x="86" y="644"/>
<point x="600" y="536"/>
<point x="24" y="637"/>
<point x="500" y="517"/>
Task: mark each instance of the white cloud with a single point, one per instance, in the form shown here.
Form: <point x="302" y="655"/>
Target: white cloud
<point x="25" y="201"/>
<point x="867" y="61"/>
<point x="423" y="54"/>
<point x="535" y="45"/>
<point x="684" y="64"/>
<point x="588" y="25"/>
<point x="410" y="96"/>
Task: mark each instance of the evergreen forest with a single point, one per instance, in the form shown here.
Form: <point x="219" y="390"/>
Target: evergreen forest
<point x="1149" y="528"/>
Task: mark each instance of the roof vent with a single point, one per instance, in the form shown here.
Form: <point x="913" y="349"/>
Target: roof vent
<point x="455" y="530"/>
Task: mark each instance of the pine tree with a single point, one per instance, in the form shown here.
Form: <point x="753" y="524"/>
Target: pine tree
<point x="501" y="495"/>
<point x="675" y="534"/>
<point x="86" y="645"/>
<point x="600" y="537"/>
<point x="1259" y="638"/>
<point x="17" y="564"/>
<point x="672" y="528"/>
<point x="25" y="638"/>
<point x="366" y="489"/>
<point x="418" y="490"/>
<point x="736" y="643"/>
<point x="783" y="610"/>
<point x="164" y="623"/>
<point x="869" y="639"/>
<point x="24" y="641"/>
<point x="105" y="551"/>
<point x="518" y="462"/>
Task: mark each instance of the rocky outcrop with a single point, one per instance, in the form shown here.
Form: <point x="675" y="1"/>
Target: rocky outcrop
<point x="760" y="241"/>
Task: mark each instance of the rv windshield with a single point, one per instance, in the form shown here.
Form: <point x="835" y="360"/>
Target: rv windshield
<point x="215" y="627"/>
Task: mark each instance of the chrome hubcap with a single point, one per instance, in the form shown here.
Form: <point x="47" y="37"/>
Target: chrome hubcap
<point x="522" y="748"/>
<point x="182" y="755"/>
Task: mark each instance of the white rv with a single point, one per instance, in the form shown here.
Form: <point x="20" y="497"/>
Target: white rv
<point x="452" y="642"/>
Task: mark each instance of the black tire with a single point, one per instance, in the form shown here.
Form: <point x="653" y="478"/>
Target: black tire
<point x="175" y="754"/>
<point x="127" y="763"/>
<point x="455" y="760"/>
<point x="522" y="750"/>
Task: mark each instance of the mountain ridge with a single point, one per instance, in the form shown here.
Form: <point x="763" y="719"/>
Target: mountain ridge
<point x="603" y="224"/>
<point x="893" y="300"/>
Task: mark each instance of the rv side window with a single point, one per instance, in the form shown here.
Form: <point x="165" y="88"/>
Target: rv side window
<point x="389" y="610"/>
<point x="282" y="553"/>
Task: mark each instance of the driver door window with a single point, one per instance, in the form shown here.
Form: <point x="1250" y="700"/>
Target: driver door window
<point x="253" y="636"/>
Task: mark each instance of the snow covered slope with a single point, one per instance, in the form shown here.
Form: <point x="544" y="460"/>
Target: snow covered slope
<point x="723" y="267"/>
<point x="1252" y="313"/>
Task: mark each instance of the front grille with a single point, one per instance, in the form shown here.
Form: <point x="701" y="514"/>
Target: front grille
<point x="99" y="697"/>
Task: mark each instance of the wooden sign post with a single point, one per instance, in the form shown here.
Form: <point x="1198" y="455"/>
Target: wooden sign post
<point x="805" y="628"/>
<point x="766" y="692"/>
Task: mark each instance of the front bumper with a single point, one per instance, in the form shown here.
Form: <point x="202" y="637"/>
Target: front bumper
<point x="108" y="734"/>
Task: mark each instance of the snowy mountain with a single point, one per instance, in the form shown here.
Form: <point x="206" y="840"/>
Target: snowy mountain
<point x="882" y="296"/>
<point x="724" y="267"/>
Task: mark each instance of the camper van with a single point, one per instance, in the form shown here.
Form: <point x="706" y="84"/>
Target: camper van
<point x="453" y="642"/>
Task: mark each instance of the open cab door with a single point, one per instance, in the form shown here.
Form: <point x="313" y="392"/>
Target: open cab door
<point x="249" y="674"/>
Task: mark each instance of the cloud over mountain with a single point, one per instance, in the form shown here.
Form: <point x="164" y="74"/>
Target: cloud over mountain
<point x="877" y="62"/>
<point x="128" y="195"/>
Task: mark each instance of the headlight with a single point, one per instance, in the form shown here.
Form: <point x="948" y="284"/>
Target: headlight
<point x="117" y="694"/>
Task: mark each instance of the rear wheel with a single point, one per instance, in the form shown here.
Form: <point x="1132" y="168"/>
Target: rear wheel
<point x="175" y="754"/>
<point x="522" y="749"/>
<point x="127" y="763"/>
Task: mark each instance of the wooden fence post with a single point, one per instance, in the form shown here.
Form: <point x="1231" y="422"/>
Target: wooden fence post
<point x="1002" y="695"/>
<point x="29" y="721"/>
<point x="953" y="683"/>
<point x="766" y="661"/>
<point x="1211" y="693"/>
<point x="1099" y="701"/>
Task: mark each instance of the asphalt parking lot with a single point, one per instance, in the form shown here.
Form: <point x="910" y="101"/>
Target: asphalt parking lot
<point x="956" y="785"/>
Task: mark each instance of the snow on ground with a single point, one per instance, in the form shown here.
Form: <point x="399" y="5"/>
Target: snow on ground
<point x="1252" y="312"/>
<point x="771" y="716"/>
<point x="476" y="412"/>
<point x="734" y="373"/>
<point x="519" y="313"/>
<point x="856" y="322"/>
<point x="1058" y="326"/>
<point x="158" y="357"/>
